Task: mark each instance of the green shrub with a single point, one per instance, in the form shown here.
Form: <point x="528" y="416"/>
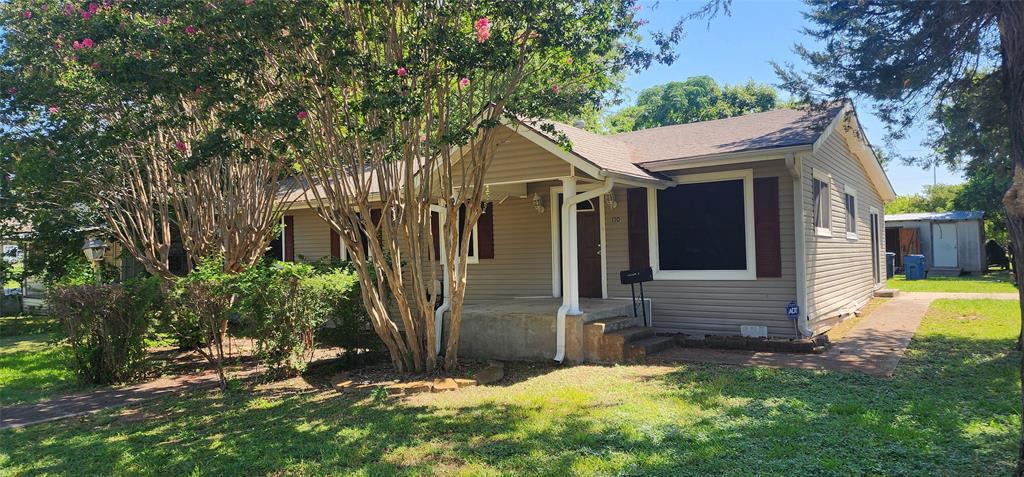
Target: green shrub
<point x="195" y="313"/>
<point x="284" y="306"/>
<point x="106" y="326"/>
<point x="346" y="324"/>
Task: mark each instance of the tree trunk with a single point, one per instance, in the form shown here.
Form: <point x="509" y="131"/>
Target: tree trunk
<point x="1011" y="36"/>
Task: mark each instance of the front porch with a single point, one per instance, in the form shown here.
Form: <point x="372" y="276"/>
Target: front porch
<point x="524" y="329"/>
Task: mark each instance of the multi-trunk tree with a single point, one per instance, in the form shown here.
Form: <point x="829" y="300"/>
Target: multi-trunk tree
<point x="162" y="121"/>
<point x="401" y="108"/>
<point x="187" y="111"/>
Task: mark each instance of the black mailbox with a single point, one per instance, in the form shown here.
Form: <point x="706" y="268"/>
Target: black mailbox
<point x="639" y="275"/>
<point x="632" y="278"/>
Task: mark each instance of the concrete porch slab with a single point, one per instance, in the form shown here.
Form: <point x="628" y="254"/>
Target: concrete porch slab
<point x="523" y="329"/>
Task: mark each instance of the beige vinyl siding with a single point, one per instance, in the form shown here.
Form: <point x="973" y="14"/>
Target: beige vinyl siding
<point x="519" y="160"/>
<point x="713" y="306"/>
<point x="839" y="273"/>
<point x="522" y="252"/>
<point x="312" y="235"/>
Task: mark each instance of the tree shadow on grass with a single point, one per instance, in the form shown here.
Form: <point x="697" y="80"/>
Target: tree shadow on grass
<point x="950" y="410"/>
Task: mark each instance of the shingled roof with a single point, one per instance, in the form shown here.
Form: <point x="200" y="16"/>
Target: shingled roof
<point x="757" y="131"/>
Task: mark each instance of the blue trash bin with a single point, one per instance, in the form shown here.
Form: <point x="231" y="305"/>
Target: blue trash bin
<point x="890" y="264"/>
<point x="913" y="266"/>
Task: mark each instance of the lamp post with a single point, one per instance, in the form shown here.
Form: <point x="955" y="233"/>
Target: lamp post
<point x="94" y="249"/>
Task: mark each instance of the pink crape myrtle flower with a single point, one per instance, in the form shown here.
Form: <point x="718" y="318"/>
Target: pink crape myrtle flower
<point x="302" y="115"/>
<point x="555" y="89"/>
<point x="191" y="30"/>
<point x="463" y="83"/>
<point x="180" y="146"/>
<point x="248" y="2"/>
<point x="87" y="43"/>
<point x="483" y="29"/>
<point x="69" y="9"/>
<point x="86" y="15"/>
<point x="402" y="72"/>
<point x="27" y="14"/>
<point x="76" y="45"/>
<point x="163" y="21"/>
<point x="92" y="7"/>
<point x="52" y="109"/>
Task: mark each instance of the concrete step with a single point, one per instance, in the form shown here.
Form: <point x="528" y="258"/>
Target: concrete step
<point x="648" y="346"/>
<point x="886" y="293"/>
<point x="628" y="335"/>
<point x="601" y="345"/>
<point x="607" y="325"/>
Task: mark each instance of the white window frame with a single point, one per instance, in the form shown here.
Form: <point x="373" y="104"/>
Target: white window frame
<point x="850" y="191"/>
<point x="341" y="246"/>
<point x="750" y="273"/>
<point x="474" y="251"/>
<point x="826" y="178"/>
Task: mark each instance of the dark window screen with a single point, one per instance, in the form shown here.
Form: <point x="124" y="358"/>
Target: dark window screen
<point x="702" y="227"/>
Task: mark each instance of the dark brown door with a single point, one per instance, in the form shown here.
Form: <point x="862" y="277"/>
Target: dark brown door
<point x="588" y="228"/>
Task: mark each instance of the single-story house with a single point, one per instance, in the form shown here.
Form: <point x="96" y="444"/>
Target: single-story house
<point x="951" y="242"/>
<point x="738" y="219"/>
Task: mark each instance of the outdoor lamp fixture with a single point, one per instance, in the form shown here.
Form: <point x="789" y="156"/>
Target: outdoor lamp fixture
<point x="538" y="203"/>
<point x="610" y="200"/>
<point x="94" y="249"/>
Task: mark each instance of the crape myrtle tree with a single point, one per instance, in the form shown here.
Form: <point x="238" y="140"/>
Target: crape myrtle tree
<point x="910" y="57"/>
<point x="402" y="107"/>
<point x="161" y="110"/>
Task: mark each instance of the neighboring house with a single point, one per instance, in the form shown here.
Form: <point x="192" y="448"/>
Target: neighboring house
<point x="951" y="242"/>
<point x="737" y="218"/>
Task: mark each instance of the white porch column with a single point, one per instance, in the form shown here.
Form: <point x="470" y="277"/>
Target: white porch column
<point x="570" y="255"/>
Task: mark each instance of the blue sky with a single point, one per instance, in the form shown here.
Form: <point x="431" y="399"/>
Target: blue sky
<point x="738" y="48"/>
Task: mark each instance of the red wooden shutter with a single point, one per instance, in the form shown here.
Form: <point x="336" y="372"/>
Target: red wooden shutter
<point x="435" y="234"/>
<point x="289" y="238"/>
<point x="335" y="245"/>
<point x="636" y="218"/>
<point x="485" y="232"/>
<point x="767" y="231"/>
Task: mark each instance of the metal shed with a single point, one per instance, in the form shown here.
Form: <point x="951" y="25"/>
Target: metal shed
<point x="951" y="242"/>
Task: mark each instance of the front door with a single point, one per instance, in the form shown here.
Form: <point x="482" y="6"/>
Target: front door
<point x="588" y="235"/>
<point x="944" y="244"/>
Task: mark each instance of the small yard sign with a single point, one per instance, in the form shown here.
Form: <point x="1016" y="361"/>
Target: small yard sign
<point x="793" y="310"/>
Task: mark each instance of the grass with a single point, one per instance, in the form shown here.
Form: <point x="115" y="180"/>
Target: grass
<point x="992" y="282"/>
<point x="33" y="365"/>
<point x="951" y="409"/>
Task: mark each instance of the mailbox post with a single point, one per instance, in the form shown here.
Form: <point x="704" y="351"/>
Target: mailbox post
<point x="638" y="277"/>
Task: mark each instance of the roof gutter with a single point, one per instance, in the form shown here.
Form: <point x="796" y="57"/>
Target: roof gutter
<point x="570" y="289"/>
<point x="768" y="154"/>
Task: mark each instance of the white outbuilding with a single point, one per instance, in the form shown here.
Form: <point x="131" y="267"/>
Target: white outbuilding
<point x="951" y="242"/>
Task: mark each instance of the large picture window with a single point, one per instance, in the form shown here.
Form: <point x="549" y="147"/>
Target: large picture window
<point x="704" y="228"/>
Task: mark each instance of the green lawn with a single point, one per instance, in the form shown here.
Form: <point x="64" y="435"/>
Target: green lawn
<point x="950" y="410"/>
<point x="32" y="364"/>
<point x="992" y="282"/>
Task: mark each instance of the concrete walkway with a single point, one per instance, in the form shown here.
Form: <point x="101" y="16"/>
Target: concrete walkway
<point x="874" y="346"/>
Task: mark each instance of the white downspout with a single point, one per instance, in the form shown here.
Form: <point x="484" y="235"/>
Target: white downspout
<point x="446" y="304"/>
<point x="570" y="260"/>
<point x="799" y="233"/>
